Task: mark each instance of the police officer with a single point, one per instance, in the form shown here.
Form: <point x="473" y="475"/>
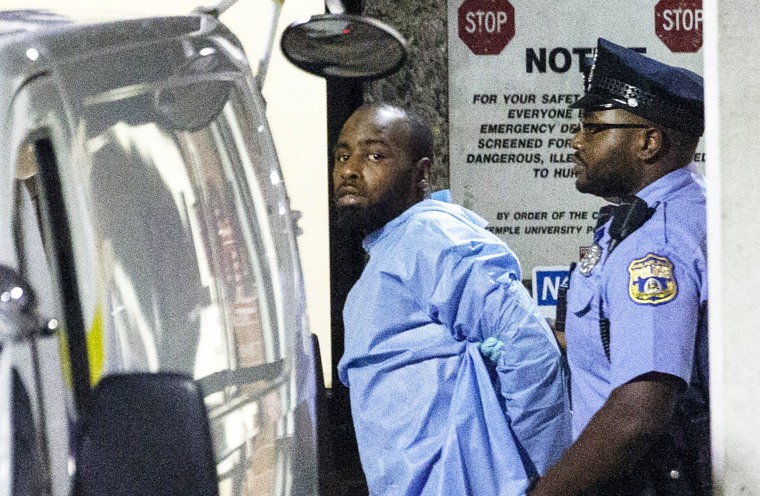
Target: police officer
<point x="636" y="308"/>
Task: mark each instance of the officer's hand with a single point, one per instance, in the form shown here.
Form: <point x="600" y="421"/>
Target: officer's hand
<point x="491" y="349"/>
<point x="558" y="335"/>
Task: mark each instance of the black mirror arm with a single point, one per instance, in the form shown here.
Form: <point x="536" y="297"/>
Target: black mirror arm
<point x="335" y="7"/>
<point x="215" y="10"/>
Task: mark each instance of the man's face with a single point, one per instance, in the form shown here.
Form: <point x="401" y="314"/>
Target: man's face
<point x="374" y="178"/>
<point x="605" y="158"/>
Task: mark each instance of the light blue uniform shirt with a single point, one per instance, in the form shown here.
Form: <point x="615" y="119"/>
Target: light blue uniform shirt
<point x="431" y="418"/>
<point x="651" y="289"/>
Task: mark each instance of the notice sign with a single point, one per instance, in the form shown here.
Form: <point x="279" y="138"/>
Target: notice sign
<point x="514" y="68"/>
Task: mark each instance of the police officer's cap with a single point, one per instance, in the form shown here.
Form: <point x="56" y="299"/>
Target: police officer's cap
<point x="670" y="96"/>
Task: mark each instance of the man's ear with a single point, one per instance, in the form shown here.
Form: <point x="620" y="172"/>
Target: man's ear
<point x="654" y="145"/>
<point x="423" y="166"/>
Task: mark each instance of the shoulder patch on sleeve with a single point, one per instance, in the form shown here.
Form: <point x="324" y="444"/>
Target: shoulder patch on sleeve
<point x="651" y="280"/>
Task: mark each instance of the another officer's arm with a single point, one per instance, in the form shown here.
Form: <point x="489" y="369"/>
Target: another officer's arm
<point x="558" y="326"/>
<point x="559" y="335"/>
<point x="616" y="437"/>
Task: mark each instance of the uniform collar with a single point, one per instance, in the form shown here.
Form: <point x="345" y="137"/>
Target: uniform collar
<point x="668" y="183"/>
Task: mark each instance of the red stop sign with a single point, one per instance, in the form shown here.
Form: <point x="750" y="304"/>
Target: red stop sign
<point x="678" y="23"/>
<point x="486" y="26"/>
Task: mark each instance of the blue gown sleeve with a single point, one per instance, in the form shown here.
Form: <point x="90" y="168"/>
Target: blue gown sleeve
<point x="480" y="295"/>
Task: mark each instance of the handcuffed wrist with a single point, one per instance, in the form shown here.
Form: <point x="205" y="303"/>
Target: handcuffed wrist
<point x="532" y="484"/>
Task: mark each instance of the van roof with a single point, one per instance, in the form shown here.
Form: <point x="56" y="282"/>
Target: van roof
<point x="76" y="32"/>
<point x="31" y="20"/>
<point x="34" y="42"/>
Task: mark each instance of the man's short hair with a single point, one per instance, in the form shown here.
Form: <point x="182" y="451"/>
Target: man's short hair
<point x="420" y="134"/>
<point x="420" y="137"/>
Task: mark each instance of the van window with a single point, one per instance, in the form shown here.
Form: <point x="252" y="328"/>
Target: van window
<point x="187" y="260"/>
<point x="188" y="241"/>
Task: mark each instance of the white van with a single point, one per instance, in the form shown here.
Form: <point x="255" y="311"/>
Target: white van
<point x="166" y="350"/>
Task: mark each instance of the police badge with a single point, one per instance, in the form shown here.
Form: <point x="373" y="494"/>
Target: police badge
<point x="590" y="258"/>
<point x="652" y="281"/>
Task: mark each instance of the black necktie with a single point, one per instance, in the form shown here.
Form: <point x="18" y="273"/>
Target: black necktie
<point x="629" y="215"/>
<point x="605" y="214"/>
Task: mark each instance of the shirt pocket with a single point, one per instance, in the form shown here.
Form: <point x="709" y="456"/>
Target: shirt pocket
<point x="583" y="328"/>
<point x="582" y="296"/>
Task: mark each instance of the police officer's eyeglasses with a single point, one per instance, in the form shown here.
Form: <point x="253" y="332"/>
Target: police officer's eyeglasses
<point x="598" y="127"/>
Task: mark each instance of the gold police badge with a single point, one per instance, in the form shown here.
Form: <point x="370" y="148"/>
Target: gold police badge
<point x="652" y="281"/>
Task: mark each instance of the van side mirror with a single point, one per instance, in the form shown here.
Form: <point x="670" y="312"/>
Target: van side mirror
<point x="344" y="46"/>
<point x="191" y="107"/>
<point x="146" y="434"/>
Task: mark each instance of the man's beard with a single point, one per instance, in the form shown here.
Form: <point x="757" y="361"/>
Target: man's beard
<point x="351" y="218"/>
<point x="605" y="182"/>
<point x="365" y="219"/>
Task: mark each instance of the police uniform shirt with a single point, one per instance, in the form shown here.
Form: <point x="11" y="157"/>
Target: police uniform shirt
<point x="650" y="288"/>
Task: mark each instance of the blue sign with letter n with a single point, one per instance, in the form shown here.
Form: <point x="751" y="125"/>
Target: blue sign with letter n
<point x="546" y="282"/>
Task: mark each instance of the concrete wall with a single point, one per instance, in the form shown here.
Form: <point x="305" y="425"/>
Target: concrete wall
<point x="422" y="84"/>
<point x="733" y="128"/>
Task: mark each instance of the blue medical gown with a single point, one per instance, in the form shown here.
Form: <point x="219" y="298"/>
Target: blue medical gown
<point x="431" y="418"/>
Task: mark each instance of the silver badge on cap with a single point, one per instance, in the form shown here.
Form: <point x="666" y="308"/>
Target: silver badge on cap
<point x="590" y="258"/>
<point x="630" y="94"/>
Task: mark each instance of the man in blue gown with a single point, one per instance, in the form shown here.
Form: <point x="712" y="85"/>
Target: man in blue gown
<point x="431" y="417"/>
